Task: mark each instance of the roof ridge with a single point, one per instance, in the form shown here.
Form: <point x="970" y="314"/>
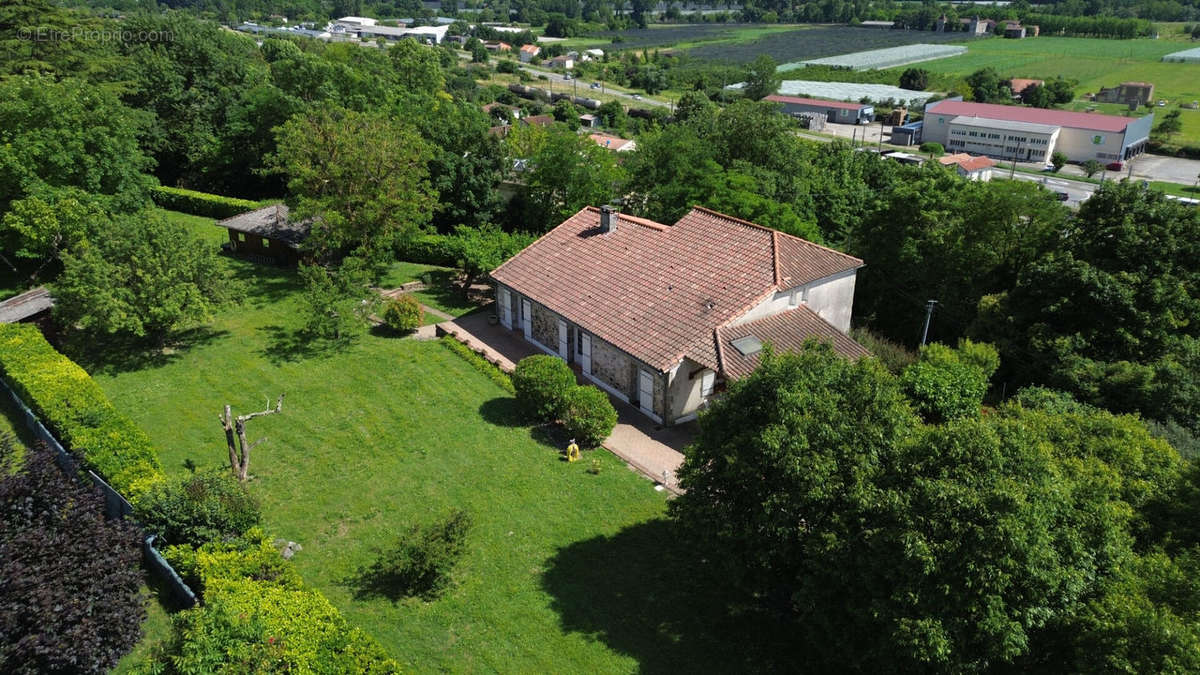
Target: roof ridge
<point x="539" y="239"/>
<point x="775" y="255"/>
<point x="771" y="229"/>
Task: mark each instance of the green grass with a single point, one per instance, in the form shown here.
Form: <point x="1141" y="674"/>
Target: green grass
<point x="156" y="628"/>
<point x="565" y="571"/>
<point x="202" y="226"/>
<point x="442" y="293"/>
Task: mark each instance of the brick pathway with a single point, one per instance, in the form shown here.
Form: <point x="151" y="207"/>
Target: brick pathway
<point x="651" y="449"/>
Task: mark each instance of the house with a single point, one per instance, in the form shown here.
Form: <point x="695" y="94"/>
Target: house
<point x="267" y="234"/>
<point x="594" y="53"/>
<point x="497" y="46"/>
<point x="838" y="112"/>
<point x="430" y="34"/>
<point x="1013" y="30"/>
<point x="589" y="120"/>
<point x="527" y="52"/>
<point x="538" y="120"/>
<point x="971" y="168"/>
<point x="1129" y="93"/>
<point x="907" y="134"/>
<point x="662" y="316"/>
<point x="613" y="143"/>
<point x="563" y="61"/>
<point x="1020" y="84"/>
<point x="1033" y="134"/>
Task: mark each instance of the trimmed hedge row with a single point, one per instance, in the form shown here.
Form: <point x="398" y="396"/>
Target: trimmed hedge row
<point x="429" y="249"/>
<point x="76" y="411"/>
<point x="481" y="364"/>
<point x="200" y="203"/>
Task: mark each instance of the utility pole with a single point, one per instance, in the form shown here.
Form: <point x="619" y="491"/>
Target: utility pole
<point x="1013" y="173"/>
<point x="928" y="317"/>
<point x="879" y="149"/>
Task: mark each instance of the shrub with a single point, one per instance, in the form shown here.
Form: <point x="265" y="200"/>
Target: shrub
<point x="893" y="355"/>
<point x="932" y="148"/>
<point x="403" y="313"/>
<point x="198" y="508"/>
<point x="481" y="364"/>
<point x="419" y="563"/>
<point x="249" y="557"/>
<point x="588" y="415"/>
<point x="252" y="627"/>
<point x="200" y="203"/>
<point x="428" y="249"/>
<point x="76" y="411"/>
<point x="70" y="579"/>
<point x="542" y="383"/>
<point x="947" y="384"/>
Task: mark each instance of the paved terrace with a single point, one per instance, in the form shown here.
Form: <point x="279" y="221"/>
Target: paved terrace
<point x="651" y="449"/>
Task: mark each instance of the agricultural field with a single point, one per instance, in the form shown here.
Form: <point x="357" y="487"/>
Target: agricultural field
<point x="685" y="36"/>
<point x="802" y="44"/>
<point x="889" y="57"/>
<point x="1091" y="62"/>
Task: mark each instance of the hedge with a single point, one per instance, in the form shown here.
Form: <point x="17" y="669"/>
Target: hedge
<point x="201" y="203"/>
<point x="481" y="364"/>
<point x="429" y="249"/>
<point x="76" y="411"/>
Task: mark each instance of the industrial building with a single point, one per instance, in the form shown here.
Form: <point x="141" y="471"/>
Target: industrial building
<point x="837" y="112"/>
<point x="1033" y="134"/>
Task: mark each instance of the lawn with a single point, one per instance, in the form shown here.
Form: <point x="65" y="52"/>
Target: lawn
<point x="442" y="291"/>
<point x="565" y="571"/>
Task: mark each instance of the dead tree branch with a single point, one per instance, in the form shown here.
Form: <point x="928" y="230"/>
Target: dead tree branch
<point x="235" y="436"/>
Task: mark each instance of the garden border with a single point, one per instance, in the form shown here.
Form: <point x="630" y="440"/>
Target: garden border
<point x="116" y="506"/>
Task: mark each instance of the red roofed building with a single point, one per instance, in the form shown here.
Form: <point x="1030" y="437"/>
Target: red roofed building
<point x="1033" y="134"/>
<point x="528" y="52"/>
<point x="663" y="315"/>
<point x="1020" y="84"/>
<point x="839" y="112"/>
<point x="613" y="142"/>
<point x="971" y="168"/>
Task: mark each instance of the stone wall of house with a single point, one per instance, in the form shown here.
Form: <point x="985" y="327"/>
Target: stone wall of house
<point x="545" y="327"/>
<point x="612" y="366"/>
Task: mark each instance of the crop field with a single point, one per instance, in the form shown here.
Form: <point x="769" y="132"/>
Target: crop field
<point x="1092" y="62"/>
<point x="684" y="36"/>
<point x="803" y="44"/>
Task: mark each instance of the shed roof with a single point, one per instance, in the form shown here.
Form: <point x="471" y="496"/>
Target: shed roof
<point x="271" y="222"/>
<point x="27" y="304"/>
<point x="798" y="100"/>
<point x="659" y="292"/>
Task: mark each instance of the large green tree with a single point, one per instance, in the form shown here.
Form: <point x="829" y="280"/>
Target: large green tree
<point x="762" y="80"/>
<point x="144" y="276"/>
<point x="363" y="177"/>
<point x="1112" y="312"/>
<point x="568" y="173"/>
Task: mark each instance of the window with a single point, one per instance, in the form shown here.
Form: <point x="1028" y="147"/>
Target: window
<point x="747" y="345"/>
<point x="266" y="242"/>
<point x="707" y="380"/>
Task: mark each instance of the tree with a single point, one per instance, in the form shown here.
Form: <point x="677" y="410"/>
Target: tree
<point x="1169" y="124"/>
<point x="70" y="579"/>
<point x="1091" y="167"/>
<point x="41" y="228"/>
<point x="1037" y="96"/>
<point x="569" y="172"/>
<point x="338" y="300"/>
<point x="987" y="86"/>
<point x="479" y="250"/>
<point x="1057" y="160"/>
<point x="915" y="78"/>
<point x="479" y="53"/>
<point x="1139" y="357"/>
<point x="567" y="113"/>
<point x="144" y="277"/>
<point x="762" y="79"/>
<point x="362" y="177"/>
<point x="235" y="430"/>
<point x="1060" y="91"/>
<point x="417" y="67"/>
<point x="69" y="134"/>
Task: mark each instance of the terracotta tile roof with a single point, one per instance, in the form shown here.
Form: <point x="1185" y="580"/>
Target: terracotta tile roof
<point x="785" y="331"/>
<point x="610" y="142"/>
<point x="967" y="162"/>
<point x="530" y="49"/>
<point x="658" y="292"/>
<point x="1020" y="84"/>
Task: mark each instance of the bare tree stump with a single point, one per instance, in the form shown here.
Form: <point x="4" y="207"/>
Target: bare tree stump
<point x="235" y="437"/>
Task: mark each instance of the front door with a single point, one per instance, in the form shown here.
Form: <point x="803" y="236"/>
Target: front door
<point x="527" y="319"/>
<point x="646" y="391"/>
<point x="505" y="308"/>
<point x="563" y="345"/>
<point x="585" y="353"/>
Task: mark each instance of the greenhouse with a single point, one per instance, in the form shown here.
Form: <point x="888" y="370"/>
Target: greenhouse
<point x="853" y="91"/>
<point x="883" y="58"/>
<point x="1185" y="56"/>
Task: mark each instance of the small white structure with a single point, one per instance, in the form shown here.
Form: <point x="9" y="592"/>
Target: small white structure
<point x="971" y="168"/>
<point x="528" y="52"/>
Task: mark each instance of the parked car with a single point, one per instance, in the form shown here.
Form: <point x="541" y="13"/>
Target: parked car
<point x="567" y="76"/>
<point x="595" y="85"/>
<point x="1115" y="166"/>
<point x="637" y="97"/>
<point x="1062" y="196"/>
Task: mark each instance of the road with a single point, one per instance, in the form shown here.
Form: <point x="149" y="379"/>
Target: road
<point x="583" y="88"/>
<point x="1077" y="191"/>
